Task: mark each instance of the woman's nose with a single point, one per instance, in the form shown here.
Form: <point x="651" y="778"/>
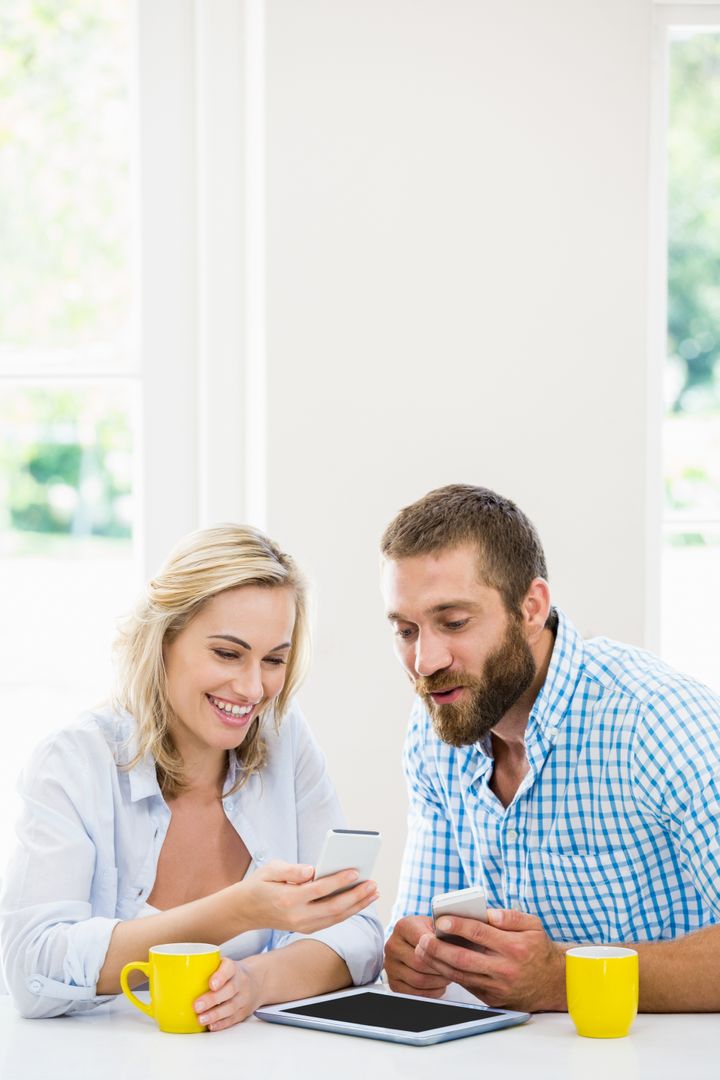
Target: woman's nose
<point x="249" y="685"/>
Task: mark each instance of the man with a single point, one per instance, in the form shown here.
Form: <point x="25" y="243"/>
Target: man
<point x="577" y="781"/>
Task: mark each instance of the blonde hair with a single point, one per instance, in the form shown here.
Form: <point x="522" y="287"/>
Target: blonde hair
<point x="204" y="564"/>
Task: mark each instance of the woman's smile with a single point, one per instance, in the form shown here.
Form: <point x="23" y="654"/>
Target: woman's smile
<point x="232" y="714"/>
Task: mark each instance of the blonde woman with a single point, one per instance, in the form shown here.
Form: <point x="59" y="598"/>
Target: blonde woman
<point x="192" y="808"/>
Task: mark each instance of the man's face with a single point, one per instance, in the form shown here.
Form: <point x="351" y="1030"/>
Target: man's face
<point x="467" y="656"/>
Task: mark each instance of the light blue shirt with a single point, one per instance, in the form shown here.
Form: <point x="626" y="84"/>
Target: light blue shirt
<point x="90" y="836"/>
<point x="613" y="834"/>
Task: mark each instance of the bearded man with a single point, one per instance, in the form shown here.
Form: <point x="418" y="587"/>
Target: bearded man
<point x="577" y="781"/>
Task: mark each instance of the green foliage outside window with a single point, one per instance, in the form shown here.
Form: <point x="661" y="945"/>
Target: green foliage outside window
<point x="692" y="431"/>
<point x="66" y="462"/>
<point x="64" y="179"/>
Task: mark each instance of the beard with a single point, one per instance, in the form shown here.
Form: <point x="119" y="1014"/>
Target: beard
<point x="507" y="674"/>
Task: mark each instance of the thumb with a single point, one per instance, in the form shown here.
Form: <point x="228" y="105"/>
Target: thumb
<point x="508" y="919"/>
<point x="292" y="873"/>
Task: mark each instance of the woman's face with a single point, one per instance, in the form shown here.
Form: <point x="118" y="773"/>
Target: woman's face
<point x="228" y="664"/>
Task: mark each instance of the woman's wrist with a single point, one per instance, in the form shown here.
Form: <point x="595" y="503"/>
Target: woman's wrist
<point x="239" y="909"/>
<point x="260" y="974"/>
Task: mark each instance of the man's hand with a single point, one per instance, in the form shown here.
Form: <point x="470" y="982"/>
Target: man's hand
<point x="407" y="972"/>
<point x="520" y="967"/>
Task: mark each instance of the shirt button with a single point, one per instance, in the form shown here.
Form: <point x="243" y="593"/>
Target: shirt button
<point x="512" y="834"/>
<point x="35" y="986"/>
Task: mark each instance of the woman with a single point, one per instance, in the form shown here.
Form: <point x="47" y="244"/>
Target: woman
<point x="153" y="820"/>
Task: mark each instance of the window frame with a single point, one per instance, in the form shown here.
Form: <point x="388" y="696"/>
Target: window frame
<point x="666" y="15"/>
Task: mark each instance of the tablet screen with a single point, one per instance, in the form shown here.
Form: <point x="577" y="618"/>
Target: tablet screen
<point x="386" y="1011"/>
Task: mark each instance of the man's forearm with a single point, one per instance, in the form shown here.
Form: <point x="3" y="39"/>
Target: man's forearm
<point x="521" y="968"/>
<point x="681" y="975"/>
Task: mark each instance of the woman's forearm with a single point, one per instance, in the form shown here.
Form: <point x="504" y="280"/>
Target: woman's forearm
<point x="213" y="919"/>
<point x="302" y="969"/>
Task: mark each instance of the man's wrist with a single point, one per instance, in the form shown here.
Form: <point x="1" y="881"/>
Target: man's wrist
<point x="559" y="989"/>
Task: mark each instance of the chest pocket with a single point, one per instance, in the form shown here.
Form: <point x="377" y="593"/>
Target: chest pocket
<point x="583" y="895"/>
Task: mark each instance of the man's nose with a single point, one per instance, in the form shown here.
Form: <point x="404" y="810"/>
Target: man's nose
<point x="431" y="654"/>
<point x="248" y="684"/>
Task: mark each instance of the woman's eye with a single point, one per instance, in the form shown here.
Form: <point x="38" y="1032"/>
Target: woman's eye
<point x="225" y="654"/>
<point x="276" y="661"/>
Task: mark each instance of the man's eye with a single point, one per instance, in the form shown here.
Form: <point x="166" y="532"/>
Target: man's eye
<point x="404" y="632"/>
<point x="456" y="624"/>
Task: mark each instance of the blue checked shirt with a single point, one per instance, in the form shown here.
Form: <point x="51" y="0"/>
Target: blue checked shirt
<point x="613" y="834"/>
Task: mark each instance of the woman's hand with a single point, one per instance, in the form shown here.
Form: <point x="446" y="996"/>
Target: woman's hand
<point x="283" y="896"/>
<point x="235" y="993"/>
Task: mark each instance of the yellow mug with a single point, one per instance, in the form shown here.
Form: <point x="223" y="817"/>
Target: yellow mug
<point x="602" y="990"/>
<point x="178" y="974"/>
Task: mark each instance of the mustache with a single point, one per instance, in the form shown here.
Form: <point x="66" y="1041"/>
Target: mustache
<point x="442" y="680"/>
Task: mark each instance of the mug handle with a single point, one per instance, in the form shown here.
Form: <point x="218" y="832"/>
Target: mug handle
<point x="136" y="965"/>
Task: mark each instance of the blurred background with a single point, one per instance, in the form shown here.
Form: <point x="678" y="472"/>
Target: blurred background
<point x="295" y="262"/>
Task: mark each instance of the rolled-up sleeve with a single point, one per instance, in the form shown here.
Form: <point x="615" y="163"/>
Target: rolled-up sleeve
<point x="358" y="940"/>
<point x="57" y="905"/>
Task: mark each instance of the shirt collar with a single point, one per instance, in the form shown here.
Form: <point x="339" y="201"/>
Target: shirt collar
<point x="564" y="670"/>
<point x="143" y="776"/>
<point x="234" y="768"/>
<point x="143" y="779"/>
<point x="556" y="693"/>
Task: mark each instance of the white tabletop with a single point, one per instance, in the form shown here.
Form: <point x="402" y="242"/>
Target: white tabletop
<point x="116" y="1041"/>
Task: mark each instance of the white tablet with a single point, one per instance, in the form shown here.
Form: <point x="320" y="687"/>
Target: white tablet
<point x="377" y="1014"/>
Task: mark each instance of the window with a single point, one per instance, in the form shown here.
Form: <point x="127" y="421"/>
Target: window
<point x="691" y="435"/>
<point x="69" y="388"/>
<point x="125" y="323"/>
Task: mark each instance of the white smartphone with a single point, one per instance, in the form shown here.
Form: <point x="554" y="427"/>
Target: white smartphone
<point x="465" y="904"/>
<point x="348" y="849"/>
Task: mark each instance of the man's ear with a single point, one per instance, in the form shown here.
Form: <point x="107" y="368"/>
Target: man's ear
<point x="536" y="608"/>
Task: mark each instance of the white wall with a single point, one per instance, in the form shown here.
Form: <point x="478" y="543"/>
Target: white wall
<point x="456" y="236"/>
<point x="442" y="207"/>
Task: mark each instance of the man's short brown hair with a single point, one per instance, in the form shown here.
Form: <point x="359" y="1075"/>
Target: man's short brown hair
<point x="509" y="548"/>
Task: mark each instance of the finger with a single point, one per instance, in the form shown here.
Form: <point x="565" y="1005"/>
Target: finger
<point x="410" y="929"/>
<point x="331" y="911"/>
<point x="479" y="933"/>
<point x="400" y="987"/>
<point x="421" y="981"/>
<point x="365" y="895"/>
<point x="324" y="886"/>
<point x="453" y="960"/>
<point x="220" y="986"/>
<point x="228" y="1013"/>
<point x="507" y="919"/>
<point x="205" y="1004"/>
<point x="236" y="1018"/>
<point x="400" y="949"/>
<point x="224" y="972"/>
<point x="292" y="873"/>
